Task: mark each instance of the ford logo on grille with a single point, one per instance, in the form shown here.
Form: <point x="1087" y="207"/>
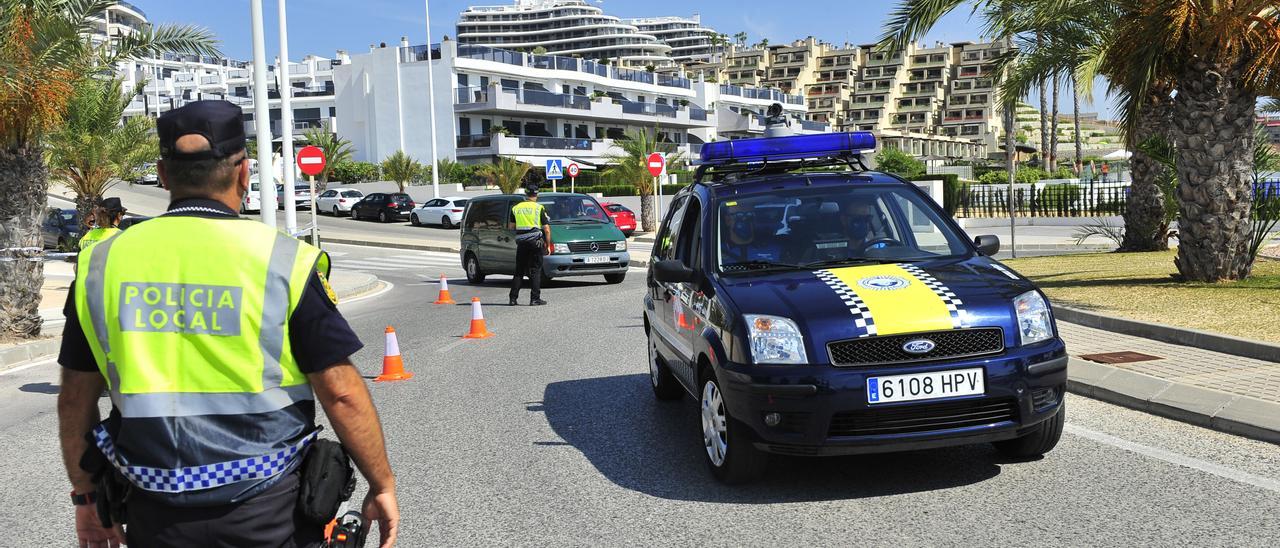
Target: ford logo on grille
<point x="919" y="346"/>
<point x="595" y="247"/>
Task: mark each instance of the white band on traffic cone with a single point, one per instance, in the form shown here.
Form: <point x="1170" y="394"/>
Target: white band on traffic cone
<point x="476" y="314"/>
<point x="393" y="347"/>
<point x="444" y="283"/>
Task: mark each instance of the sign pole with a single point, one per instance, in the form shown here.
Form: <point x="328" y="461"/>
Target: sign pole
<point x="573" y="182"/>
<point x="315" y="223"/>
<point x="657" y="193"/>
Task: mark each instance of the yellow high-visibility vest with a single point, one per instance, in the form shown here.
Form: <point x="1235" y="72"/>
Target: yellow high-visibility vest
<point x="188" y="320"/>
<point x="96" y="235"/>
<point x="528" y="215"/>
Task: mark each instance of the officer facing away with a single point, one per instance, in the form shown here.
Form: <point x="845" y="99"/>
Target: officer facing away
<point x="107" y="214"/>
<point x="533" y="239"/>
<point x="214" y="336"/>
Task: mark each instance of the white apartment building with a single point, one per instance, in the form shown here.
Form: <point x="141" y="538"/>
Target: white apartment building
<point x="491" y="102"/>
<point x="563" y="27"/>
<point x="690" y="41"/>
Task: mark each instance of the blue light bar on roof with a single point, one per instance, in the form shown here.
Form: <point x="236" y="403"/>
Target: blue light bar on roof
<point x="747" y="151"/>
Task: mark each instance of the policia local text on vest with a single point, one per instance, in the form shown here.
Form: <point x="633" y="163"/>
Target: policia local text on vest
<point x="214" y="336"/>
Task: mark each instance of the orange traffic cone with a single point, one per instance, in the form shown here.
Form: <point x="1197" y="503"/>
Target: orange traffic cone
<point x="478" y="329"/>
<point x="681" y="319"/>
<point x="392" y="364"/>
<point x="445" y="297"/>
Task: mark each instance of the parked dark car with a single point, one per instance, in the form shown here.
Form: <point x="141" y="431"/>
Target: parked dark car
<point x="61" y="228"/>
<point x="385" y="207"/>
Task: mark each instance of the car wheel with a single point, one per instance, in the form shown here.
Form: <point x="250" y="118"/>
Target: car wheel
<point x="1037" y="442"/>
<point x="472" y="266"/>
<point x="665" y="386"/>
<point x="727" y="442"/>
<point x="413" y="219"/>
<point x="445" y="223"/>
<point x="336" y="212"/>
<point x="615" y="278"/>
<point x="383" y="218"/>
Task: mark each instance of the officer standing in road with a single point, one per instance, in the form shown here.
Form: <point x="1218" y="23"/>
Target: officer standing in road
<point x="533" y="240"/>
<point x="214" y="335"/>
<point x="107" y="214"/>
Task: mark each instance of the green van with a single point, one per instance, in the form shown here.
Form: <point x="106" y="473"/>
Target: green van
<point x="586" y="241"/>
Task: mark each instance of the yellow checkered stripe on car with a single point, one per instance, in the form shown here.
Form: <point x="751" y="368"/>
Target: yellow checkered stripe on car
<point x="892" y="299"/>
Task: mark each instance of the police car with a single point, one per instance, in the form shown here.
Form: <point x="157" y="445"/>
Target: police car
<point x="814" y="307"/>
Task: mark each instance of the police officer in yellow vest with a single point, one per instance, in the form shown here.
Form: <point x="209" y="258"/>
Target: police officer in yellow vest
<point x="214" y="336"/>
<point x="107" y="214"/>
<point x="533" y="238"/>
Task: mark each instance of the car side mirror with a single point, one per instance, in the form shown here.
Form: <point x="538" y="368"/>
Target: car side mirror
<point x="988" y="244"/>
<point x="672" y="271"/>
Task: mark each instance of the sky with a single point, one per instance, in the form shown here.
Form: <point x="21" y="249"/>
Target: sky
<point x="321" y="27"/>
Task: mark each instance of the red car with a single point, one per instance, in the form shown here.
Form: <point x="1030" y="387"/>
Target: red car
<point x="623" y="217"/>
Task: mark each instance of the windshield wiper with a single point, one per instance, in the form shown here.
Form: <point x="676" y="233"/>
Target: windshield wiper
<point x="847" y="262"/>
<point x="757" y="265"/>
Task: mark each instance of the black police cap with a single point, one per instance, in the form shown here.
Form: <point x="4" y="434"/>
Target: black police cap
<point x="112" y="205"/>
<point x="221" y="122"/>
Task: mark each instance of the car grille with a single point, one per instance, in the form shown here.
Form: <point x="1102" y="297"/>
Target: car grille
<point x="888" y="349"/>
<point x="585" y="247"/>
<point x="905" y="419"/>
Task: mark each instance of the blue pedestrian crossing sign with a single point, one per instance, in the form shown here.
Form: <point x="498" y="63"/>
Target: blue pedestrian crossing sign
<point x="555" y="169"/>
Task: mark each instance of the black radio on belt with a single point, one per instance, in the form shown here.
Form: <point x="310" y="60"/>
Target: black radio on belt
<point x="348" y="532"/>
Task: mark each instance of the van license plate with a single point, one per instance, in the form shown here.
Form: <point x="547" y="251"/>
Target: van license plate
<point x="596" y="259"/>
<point x="926" y="386"/>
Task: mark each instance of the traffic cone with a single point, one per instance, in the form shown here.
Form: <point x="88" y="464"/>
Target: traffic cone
<point x="392" y="364"/>
<point x="478" y="329"/>
<point x="445" y="297"/>
<point x="681" y="319"/>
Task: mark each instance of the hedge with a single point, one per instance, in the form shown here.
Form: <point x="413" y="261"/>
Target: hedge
<point x="952" y="189"/>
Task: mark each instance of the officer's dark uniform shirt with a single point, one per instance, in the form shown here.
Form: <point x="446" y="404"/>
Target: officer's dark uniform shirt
<point x="319" y="335"/>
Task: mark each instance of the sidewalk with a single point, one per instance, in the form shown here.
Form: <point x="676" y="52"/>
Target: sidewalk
<point x="1211" y="389"/>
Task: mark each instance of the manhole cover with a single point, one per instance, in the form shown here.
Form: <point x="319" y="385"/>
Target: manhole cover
<point x="1120" y="357"/>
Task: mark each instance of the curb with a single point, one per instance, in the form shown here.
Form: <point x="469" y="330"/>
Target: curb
<point x="370" y="284"/>
<point x="29" y="352"/>
<point x="1230" y="413"/>
<point x="1225" y="344"/>
<point x="390" y="245"/>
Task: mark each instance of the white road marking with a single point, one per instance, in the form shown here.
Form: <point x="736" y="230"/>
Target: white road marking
<point x="388" y="286"/>
<point x="28" y="366"/>
<point x="1175" y="458"/>
<point x="451" y="346"/>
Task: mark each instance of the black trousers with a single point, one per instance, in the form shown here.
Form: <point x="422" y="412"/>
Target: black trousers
<point x="528" y="262"/>
<point x="268" y="519"/>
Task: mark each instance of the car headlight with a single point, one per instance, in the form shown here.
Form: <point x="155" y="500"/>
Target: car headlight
<point x="775" y="340"/>
<point x="622" y="245"/>
<point x="1034" y="324"/>
<point x="561" y="248"/>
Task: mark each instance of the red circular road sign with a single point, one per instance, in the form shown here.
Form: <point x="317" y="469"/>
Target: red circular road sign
<point x="573" y="170"/>
<point x="311" y="160"/>
<point x="656" y="163"/>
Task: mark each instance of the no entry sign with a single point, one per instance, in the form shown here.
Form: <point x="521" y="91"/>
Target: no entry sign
<point x="656" y="163"/>
<point x="311" y="160"/>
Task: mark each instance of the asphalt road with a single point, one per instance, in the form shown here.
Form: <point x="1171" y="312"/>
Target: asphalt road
<point x="547" y="434"/>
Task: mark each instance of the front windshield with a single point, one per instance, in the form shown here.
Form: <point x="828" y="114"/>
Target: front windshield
<point x="69" y="217"/>
<point x="573" y="209"/>
<point x="819" y="227"/>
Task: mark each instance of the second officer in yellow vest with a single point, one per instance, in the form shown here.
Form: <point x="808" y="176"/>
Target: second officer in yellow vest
<point x="214" y="336"/>
<point x="106" y="214"/>
<point x="533" y="237"/>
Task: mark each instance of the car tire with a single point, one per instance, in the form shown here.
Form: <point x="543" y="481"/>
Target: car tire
<point x="445" y="223"/>
<point x="383" y="217"/>
<point x="336" y="212"/>
<point x="472" y="265"/>
<point x="727" y="443"/>
<point x="1039" y="441"/>
<point x="615" y="278"/>
<point x="413" y="219"/>
<point x="665" y="385"/>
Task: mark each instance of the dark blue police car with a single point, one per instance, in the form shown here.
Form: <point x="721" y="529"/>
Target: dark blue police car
<point x="814" y="307"/>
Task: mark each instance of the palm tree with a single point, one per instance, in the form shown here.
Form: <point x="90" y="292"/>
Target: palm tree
<point x="741" y="38"/>
<point x="629" y="161"/>
<point x="1218" y="57"/>
<point x="1053" y="128"/>
<point x="401" y="168"/>
<point x="45" y="48"/>
<point x="336" y="149"/>
<point x="1077" y="166"/>
<point x="93" y="150"/>
<point x="506" y="174"/>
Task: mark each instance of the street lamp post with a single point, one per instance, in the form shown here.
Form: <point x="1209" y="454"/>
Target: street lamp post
<point x="262" y="117"/>
<point x="431" y="105"/>
<point x="286" y="128"/>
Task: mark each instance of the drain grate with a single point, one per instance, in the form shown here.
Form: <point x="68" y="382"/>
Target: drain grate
<point x="1120" y="357"/>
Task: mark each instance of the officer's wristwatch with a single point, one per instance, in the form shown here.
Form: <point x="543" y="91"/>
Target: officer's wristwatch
<point x="85" y="499"/>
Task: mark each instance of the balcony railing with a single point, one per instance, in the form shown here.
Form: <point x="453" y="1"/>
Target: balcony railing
<point x="554" y="143"/>
<point x="555" y="62"/>
<point x="299" y="69"/>
<point x="651" y="109"/>
<point x="475" y="141"/>
<point x="206" y="80"/>
<point x="808" y="125"/>
<point x="548" y="99"/>
<point x="761" y="93"/>
<point x="698" y="114"/>
<point x="239" y="73"/>
<point x="473" y="95"/>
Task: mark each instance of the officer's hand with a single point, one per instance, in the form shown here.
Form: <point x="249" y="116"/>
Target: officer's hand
<point x="91" y="534"/>
<point x="382" y="507"/>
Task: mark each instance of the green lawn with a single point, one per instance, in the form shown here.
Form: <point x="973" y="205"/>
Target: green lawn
<point x="1140" y="286"/>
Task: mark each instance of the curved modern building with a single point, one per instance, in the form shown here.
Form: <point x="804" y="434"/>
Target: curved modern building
<point x="562" y="27"/>
<point x="690" y="41"/>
